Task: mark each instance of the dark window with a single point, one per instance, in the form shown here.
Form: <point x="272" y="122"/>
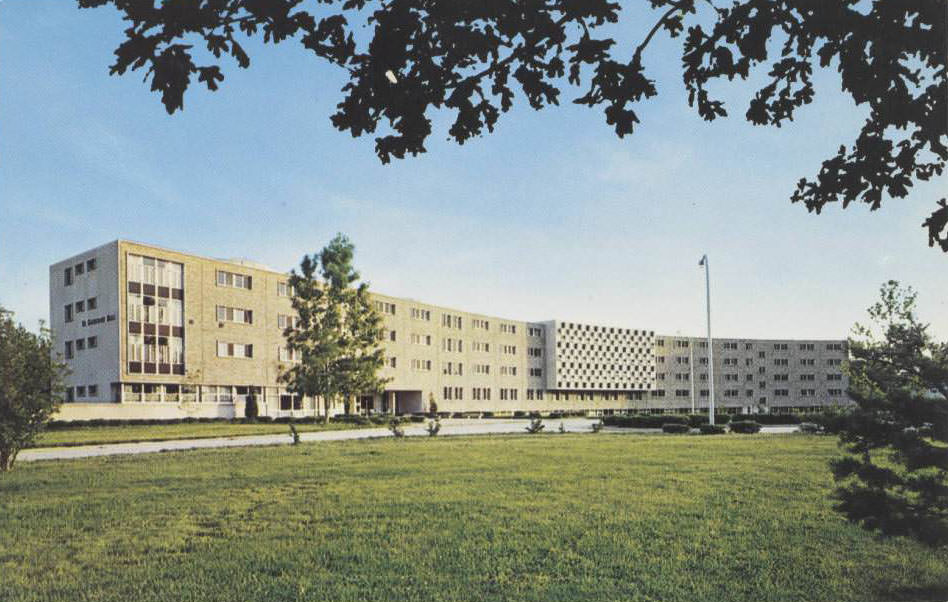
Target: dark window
<point x="67" y="276"/>
<point x="90" y="264"/>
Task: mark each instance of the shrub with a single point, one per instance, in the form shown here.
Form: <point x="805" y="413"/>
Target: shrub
<point x="520" y="414"/>
<point x="395" y="425"/>
<point x="831" y="422"/>
<point x="251" y="410"/>
<point x="675" y="427"/>
<point x="644" y="421"/>
<point x="597" y="426"/>
<point x="536" y="425"/>
<point x="487" y="415"/>
<point x="774" y="418"/>
<point x="417" y="418"/>
<point x="696" y="420"/>
<point x="745" y="427"/>
<point x="711" y="429"/>
<point x="434" y="427"/>
<point x="378" y="419"/>
<point x="562" y="427"/>
<point x="810" y="428"/>
<point x="294" y="434"/>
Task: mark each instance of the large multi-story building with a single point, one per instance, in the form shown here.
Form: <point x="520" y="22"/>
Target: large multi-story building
<point x="150" y="332"/>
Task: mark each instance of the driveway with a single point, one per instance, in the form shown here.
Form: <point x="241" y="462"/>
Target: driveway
<point x="449" y="427"/>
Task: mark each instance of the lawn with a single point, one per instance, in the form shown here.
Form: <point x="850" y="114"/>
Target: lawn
<point x="544" y="517"/>
<point x="94" y="435"/>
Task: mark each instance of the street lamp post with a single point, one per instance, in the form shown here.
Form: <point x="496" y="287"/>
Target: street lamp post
<point x="707" y="285"/>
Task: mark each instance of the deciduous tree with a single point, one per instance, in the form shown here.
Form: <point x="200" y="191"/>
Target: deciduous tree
<point x="337" y="337"/>
<point x="894" y="476"/>
<point x="473" y="59"/>
<point x="31" y="386"/>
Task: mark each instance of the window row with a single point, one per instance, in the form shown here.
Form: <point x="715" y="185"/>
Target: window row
<point x="226" y="349"/>
<point x="80" y="345"/>
<point x="234" y="314"/>
<point x="150" y="270"/>
<point x="90" y="304"/>
<point x="81" y="392"/>
<point x="155" y="349"/>
<point x="154" y="310"/>
<point x="234" y="280"/>
<point x="78" y="269"/>
<point x="420" y="314"/>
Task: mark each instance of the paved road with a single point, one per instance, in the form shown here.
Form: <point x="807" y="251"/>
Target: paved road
<point x="448" y="427"/>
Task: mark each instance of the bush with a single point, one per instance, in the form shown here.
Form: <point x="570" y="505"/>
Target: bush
<point x="810" y="428"/>
<point x="675" y="427"/>
<point x="434" y="427"/>
<point x="251" y="410"/>
<point x="418" y="418"/>
<point x="696" y="420"/>
<point x="395" y="425"/>
<point x="774" y="418"/>
<point x="711" y="429"/>
<point x="520" y="414"/>
<point x="831" y="422"/>
<point x="644" y="421"/>
<point x="745" y="427"/>
<point x="597" y="426"/>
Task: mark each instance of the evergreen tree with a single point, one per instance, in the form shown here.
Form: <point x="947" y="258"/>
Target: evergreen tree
<point x="31" y="386"/>
<point x="337" y="338"/>
<point x="893" y="476"/>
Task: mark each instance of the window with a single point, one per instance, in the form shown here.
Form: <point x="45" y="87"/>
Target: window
<point x="508" y="371"/>
<point x="392" y="363"/>
<point x="80" y="307"/>
<point x="234" y="350"/>
<point x="285" y="354"/>
<point x="807" y="377"/>
<point x="806" y="361"/>
<point x="482" y="324"/>
<point x="730" y="346"/>
<point x="536" y="372"/>
<point x="681" y="344"/>
<point x="481" y="369"/>
<point x="834" y="377"/>
<point x="68" y="350"/>
<point x="68" y="312"/>
<point x="91" y="264"/>
<point x="92" y="303"/>
<point x="285" y="290"/>
<point x="509" y="349"/>
<point x="780" y="346"/>
<point x="92" y="342"/>
<point x="93" y="390"/>
<point x="535" y="352"/>
<point x="508" y="328"/>
<point x="385" y="308"/>
<point x="781" y="362"/>
<point x="230" y="279"/>
<point x="535" y="332"/>
<point x="421" y="365"/>
<point x="834" y="362"/>
<point x="391" y="335"/>
<point x="67" y="277"/>
<point x="420" y="314"/>
<point x="229" y="314"/>
<point x="806" y="346"/>
<point x="80" y="391"/>
<point x="834" y="346"/>
<point x="80" y="268"/>
<point x="450" y="321"/>
<point x="835" y="391"/>
<point x="284" y="321"/>
<point x="80" y="344"/>
<point x="807" y="392"/>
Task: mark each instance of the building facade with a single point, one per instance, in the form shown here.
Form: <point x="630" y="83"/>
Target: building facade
<point x="150" y="332"/>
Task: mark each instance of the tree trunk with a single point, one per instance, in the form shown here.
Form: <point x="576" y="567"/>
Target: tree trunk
<point x="326" y="402"/>
<point x="7" y="457"/>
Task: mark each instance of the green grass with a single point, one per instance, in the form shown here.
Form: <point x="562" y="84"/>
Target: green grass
<point x="545" y="517"/>
<point x="95" y="435"/>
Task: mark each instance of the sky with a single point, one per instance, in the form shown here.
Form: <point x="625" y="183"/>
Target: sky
<point x="550" y="217"/>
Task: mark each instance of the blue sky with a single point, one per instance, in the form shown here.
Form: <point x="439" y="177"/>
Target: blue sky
<point x="552" y="216"/>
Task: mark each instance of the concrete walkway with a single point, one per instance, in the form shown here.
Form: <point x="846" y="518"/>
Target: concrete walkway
<point x="449" y="427"/>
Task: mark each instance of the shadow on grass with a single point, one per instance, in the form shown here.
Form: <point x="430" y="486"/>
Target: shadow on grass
<point x="915" y="593"/>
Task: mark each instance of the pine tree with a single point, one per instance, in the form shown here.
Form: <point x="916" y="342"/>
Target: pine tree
<point x="894" y="476"/>
<point x="337" y="337"/>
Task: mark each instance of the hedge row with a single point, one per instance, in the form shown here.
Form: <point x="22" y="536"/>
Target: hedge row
<point x="675" y="427"/>
<point x="745" y="427"/>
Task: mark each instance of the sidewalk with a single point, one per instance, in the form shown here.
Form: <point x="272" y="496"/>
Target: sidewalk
<point x="449" y="427"/>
